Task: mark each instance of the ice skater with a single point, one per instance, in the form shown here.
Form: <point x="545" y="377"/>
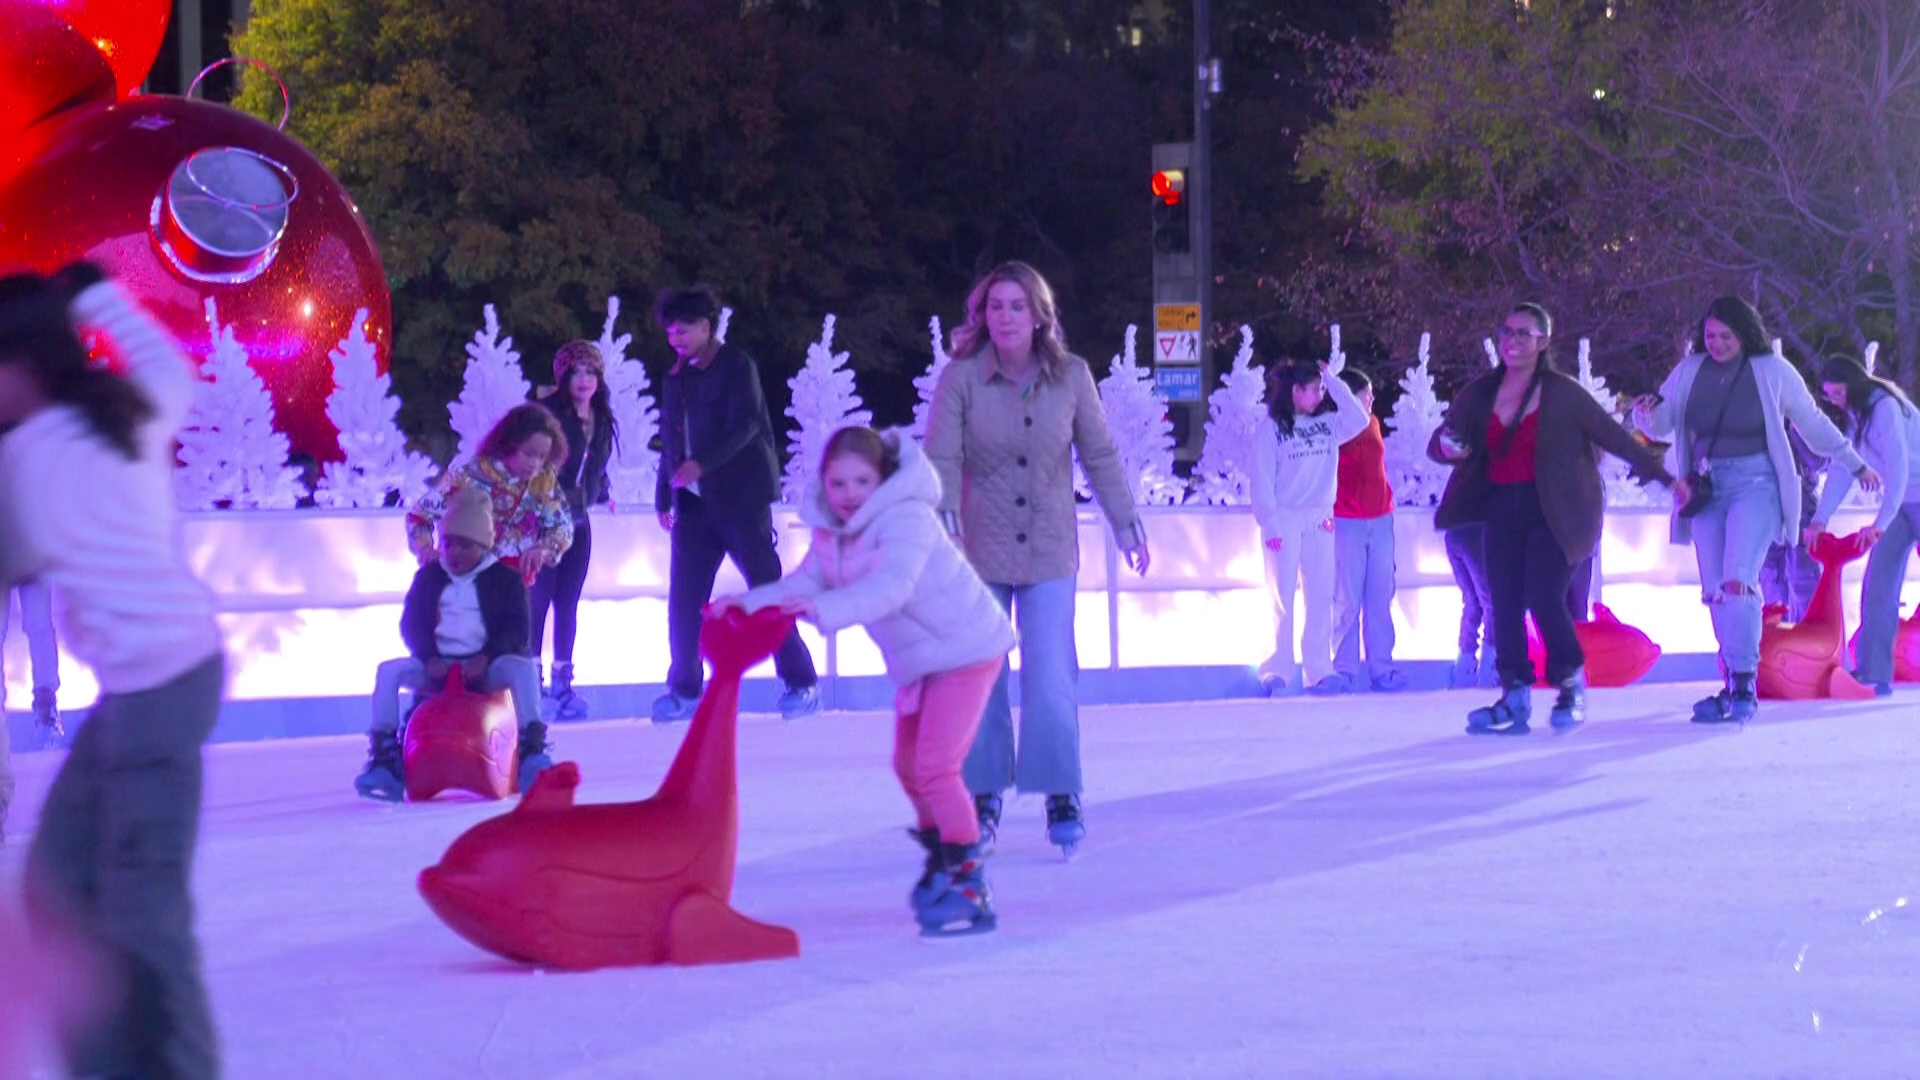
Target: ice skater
<point x="1009" y="416"/>
<point x="517" y="468"/>
<point x="86" y="505"/>
<point x="881" y="559"/>
<point x="468" y="610"/>
<point x="1525" y="443"/>
<point x="1886" y="428"/>
<point x="1296" y="465"/>
<point x="1363" y="558"/>
<point x="584" y="408"/>
<point x="1727" y="412"/>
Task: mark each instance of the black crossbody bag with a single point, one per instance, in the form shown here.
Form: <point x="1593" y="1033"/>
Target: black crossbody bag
<point x="1700" y="477"/>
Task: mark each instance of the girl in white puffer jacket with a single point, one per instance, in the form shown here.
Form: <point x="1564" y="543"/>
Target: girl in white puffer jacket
<point x="881" y="559"/>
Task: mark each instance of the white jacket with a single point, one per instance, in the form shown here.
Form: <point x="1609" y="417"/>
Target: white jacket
<point x="893" y="569"/>
<point x="1298" y="476"/>
<point x="101" y="529"/>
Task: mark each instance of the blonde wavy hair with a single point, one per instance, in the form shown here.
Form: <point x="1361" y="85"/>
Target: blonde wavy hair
<point x="1049" y="340"/>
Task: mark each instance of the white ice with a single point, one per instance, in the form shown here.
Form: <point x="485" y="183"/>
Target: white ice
<point x="1345" y="888"/>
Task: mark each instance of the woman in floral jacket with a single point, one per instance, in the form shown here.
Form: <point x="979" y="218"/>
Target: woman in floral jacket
<point x="516" y="467"/>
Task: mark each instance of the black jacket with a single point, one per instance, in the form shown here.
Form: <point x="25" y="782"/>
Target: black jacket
<point x="725" y="412"/>
<point x="583" y="477"/>
<point x="503" y="607"/>
<point x="1572" y="431"/>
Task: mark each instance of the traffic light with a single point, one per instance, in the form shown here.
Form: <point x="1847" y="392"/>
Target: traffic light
<point x="1170" y="212"/>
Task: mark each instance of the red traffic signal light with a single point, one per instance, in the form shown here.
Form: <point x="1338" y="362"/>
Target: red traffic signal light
<point x="1170" y="186"/>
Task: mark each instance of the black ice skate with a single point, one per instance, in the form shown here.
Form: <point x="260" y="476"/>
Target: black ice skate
<point x="1065" y="829"/>
<point x="987" y="808"/>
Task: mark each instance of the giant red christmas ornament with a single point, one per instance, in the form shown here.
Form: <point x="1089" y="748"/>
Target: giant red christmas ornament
<point x="1807" y="659"/>
<point x="45" y="66"/>
<point x="183" y="200"/>
<point x="126" y="34"/>
<point x="623" y="884"/>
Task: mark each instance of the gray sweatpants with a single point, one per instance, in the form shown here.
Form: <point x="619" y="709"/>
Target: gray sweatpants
<point x="113" y="860"/>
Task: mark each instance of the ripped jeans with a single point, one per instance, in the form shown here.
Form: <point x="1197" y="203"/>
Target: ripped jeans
<point x="1731" y="537"/>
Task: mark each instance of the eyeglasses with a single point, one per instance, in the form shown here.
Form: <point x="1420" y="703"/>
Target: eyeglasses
<point x="1519" y="334"/>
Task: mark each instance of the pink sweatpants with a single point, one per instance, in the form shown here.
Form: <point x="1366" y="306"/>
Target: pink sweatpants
<point x="937" y="718"/>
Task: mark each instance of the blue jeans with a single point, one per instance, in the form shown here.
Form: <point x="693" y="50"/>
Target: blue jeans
<point x="1731" y="536"/>
<point x="1047" y="757"/>
<point x="1467" y="554"/>
<point x="516" y="674"/>
<point x="1880" y="596"/>
<point x="1363" y="595"/>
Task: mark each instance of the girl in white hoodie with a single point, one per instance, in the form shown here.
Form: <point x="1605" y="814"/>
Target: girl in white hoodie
<point x="86" y="505"/>
<point x="1296" y="472"/>
<point x="881" y="559"/>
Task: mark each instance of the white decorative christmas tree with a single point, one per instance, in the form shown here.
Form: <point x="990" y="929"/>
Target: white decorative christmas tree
<point x="1616" y="476"/>
<point x="1234" y="414"/>
<point x="1872" y="357"/>
<point x="929" y="382"/>
<point x="635" y="464"/>
<point x="376" y="461"/>
<point x="1416" y="479"/>
<point x="1493" y="354"/>
<point x="824" y="401"/>
<point x="230" y="455"/>
<point x="494" y="385"/>
<point x="1142" y="432"/>
<point x="726" y="320"/>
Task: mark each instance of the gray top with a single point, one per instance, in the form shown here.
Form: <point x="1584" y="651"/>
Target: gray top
<point x="1744" y="431"/>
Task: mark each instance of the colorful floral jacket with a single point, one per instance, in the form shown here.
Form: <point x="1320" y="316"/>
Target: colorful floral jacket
<point x="527" y="514"/>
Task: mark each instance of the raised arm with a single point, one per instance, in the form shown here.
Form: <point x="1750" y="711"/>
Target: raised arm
<point x="155" y="362"/>
<point x="1350" y="418"/>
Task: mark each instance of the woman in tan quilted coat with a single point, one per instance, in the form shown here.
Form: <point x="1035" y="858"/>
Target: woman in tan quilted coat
<point x="1008" y="415"/>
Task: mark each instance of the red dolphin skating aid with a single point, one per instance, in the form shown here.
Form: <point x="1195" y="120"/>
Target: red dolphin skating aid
<point x="1808" y="659"/>
<point x="623" y="884"/>
<point x="1617" y="654"/>
<point x="460" y="740"/>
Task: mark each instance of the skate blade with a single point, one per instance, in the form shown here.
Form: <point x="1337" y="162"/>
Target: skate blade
<point x="933" y="935"/>
<point x="1568" y="729"/>
<point x="1508" y="731"/>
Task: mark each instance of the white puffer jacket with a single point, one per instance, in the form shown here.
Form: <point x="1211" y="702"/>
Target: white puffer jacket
<point x="893" y="570"/>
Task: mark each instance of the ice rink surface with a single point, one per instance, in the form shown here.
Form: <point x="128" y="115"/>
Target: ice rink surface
<point x="1296" y="888"/>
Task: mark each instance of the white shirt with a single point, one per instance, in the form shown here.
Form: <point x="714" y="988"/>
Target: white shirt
<point x="100" y="528"/>
<point x="462" y="631"/>
<point x="1298" y="475"/>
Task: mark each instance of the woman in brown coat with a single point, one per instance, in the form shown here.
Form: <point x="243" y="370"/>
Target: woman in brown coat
<point x="1008" y="415"/>
<point x="1525" y="441"/>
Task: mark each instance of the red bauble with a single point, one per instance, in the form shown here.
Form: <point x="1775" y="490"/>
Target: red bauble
<point x="45" y="66"/>
<point x="115" y="183"/>
<point x="623" y="884"/>
<point x="458" y="740"/>
<point x="126" y="33"/>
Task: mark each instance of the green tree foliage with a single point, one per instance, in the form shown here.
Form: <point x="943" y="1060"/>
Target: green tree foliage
<point x="542" y="156"/>
<point x="1625" y="161"/>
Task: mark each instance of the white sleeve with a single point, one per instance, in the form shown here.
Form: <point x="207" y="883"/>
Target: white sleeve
<point x="155" y="362"/>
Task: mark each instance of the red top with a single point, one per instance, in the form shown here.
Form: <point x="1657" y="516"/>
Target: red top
<point x="1516" y="465"/>
<point x="1364" y="491"/>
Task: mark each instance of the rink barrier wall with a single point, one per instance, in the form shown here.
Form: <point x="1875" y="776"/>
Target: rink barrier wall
<point x="309" y="601"/>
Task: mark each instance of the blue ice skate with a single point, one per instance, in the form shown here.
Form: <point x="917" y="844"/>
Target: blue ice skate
<point x="384" y="778"/>
<point x="1508" y="716"/>
<point x="534" y="758"/>
<point x="924" y="891"/>
<point x="1065" y="829"/>
<point x="960" y="905"/>
<point x="1570" y="706"/>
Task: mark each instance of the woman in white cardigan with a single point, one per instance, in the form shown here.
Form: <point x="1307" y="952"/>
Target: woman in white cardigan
<point x="882" y="559"/>
<point x="1726" y="413"/>
<point x="1886" y="428"/>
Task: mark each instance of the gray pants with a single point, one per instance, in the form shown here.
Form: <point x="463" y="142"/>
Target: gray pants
<point x="113" y="860"/>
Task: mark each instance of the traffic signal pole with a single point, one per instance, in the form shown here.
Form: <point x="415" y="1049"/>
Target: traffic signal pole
<point x="1200" y="185"/>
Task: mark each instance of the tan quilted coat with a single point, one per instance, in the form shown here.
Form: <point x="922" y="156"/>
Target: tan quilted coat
<point x="1005" y="457"/>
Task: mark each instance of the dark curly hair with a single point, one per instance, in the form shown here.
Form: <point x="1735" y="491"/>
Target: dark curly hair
<point x="521" y="423"/>
<point x="687" y="305"/>
<point x="1738" y="316"/>
<point x="35" y="330"/>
